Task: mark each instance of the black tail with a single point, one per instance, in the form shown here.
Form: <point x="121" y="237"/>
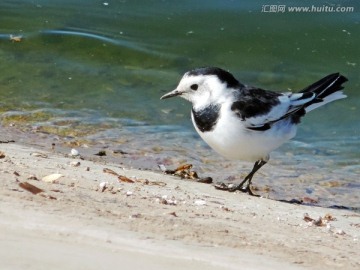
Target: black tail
<point x="326" y="86"/>
<point x="326" y="90"/>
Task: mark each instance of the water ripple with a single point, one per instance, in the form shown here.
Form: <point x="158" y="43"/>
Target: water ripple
<point x="118" y="42"/>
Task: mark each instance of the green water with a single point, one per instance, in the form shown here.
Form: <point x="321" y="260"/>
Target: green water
<point x="98" y="68"/>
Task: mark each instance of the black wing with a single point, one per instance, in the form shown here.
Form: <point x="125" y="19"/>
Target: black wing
<point x="259" y="108"/>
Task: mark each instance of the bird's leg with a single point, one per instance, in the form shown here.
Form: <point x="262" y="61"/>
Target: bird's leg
<point x="244" y="186"/>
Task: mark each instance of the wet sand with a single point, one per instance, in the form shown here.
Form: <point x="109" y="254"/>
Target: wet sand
<point x="88" y="219"/>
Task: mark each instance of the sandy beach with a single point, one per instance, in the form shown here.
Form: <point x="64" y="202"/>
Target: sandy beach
<point x="74" y="212"/>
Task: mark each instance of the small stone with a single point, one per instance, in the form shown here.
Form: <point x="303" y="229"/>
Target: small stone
<point x="32" y="177"/>
<point x="38" y="154"/>
<point x="74" y="152"/>
<point x="103" y="186"/>
<point x="199" y="202"/>
<point x="162" y="167"/>
<point x="75" y="163"/>
<point x="339" y="232"/>
<point x="52" y="178"/>
<point x="101" y="153"/>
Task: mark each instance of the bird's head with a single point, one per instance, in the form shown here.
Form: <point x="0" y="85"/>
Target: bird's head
<point x="204" y="85"/>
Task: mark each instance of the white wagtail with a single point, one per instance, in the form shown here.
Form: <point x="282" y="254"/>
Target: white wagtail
<point x="242" y="122"/>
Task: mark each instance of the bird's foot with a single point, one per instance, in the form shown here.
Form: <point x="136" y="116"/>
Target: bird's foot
<point x="249" y="191"/>
<point x="232" y="188"/>
<point x="246" y="189"/>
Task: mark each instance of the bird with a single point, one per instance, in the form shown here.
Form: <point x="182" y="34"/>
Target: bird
<point x="242" y="122"/>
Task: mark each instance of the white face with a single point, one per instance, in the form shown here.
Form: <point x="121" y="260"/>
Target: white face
<point x="200" y="90"/>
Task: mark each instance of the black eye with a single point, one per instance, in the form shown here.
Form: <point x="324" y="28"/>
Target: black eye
<point x="194" y="86"/>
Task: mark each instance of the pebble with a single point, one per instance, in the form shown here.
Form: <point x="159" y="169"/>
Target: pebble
<point x="199" y="202"/>
<point x="32" y="177"/>
<point x="51" y="178"/>
<point x="165" y="200"/>
<point x="74" y="152"/>
<point x="102" y="186"/>
<point x="339" y="232"/>
<point x="162" y="167"/>
<point x="38" y="154"/>
<point x="75" y="163"/>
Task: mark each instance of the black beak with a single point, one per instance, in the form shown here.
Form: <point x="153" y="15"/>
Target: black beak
<point x="173" y="93"/>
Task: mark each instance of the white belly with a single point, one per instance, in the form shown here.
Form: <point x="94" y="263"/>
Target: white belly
<point x="233" y="141"/>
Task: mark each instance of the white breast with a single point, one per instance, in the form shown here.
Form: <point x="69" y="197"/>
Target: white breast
<point x="231" y="139"/>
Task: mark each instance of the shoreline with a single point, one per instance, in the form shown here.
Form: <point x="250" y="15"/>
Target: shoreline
<point x="74" y="222"/>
